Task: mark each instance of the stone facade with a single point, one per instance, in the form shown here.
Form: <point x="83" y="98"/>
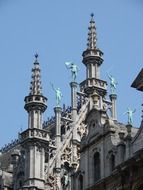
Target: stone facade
<point x="82" y="147"/>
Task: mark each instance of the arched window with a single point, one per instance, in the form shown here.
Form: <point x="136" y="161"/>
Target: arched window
<point x="80" y="182"/>
<point x="112" y="162"/>
<point x="96" y="165"/>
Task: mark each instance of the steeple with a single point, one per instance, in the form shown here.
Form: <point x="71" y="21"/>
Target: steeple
<point x="35" y="139"/>
<point x="35" y="102"/>
<point x="92" y="59"/>
<point x="36" y="88"/>
<point x="91" y="41"/>
<point x="92" y="56"/>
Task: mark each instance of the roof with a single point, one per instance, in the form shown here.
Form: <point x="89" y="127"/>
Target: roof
<point x="138" y="82"/>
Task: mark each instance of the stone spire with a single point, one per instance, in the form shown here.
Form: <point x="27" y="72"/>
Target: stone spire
<point x="92" y="59"/>
<point x="91" y="41"/>
<point x="35" y="102"/>
<point x="93" y="86"/>
<point x="36" y="88"/>
<point x="92" y="56"/>
<point x="35" y="139"/>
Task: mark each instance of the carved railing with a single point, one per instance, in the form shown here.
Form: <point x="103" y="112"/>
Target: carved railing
<point x="93" y="82"/>
<point x="35" y="133"/>
<point x="65" y="113"/>
<point x="9" y="146"/>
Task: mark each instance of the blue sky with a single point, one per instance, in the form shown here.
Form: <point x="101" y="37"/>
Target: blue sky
<point x="57" y="31"/>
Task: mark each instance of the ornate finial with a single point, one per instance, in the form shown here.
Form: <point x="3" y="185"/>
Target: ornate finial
<point x="92" y="15"/>
<point x="36" y="55"/>
<point x="36" y="58"/>
<point x="36" y="87"/>
<point x="91" y="44"/>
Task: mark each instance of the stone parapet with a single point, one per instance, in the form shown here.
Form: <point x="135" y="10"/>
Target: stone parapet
<point x="35" y="134"/>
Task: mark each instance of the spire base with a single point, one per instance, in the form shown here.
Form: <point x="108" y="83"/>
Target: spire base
<point x="92" y="56"/>
<point x="92" y="84"/>
<point x="35" y="102"/>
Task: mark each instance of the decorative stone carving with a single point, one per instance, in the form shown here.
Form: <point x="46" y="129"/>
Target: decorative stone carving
<point x="82" y="129"/>
<point x="66" y="155"/>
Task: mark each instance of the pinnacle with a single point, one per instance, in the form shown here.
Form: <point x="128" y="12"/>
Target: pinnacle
<point x="36" y="58"/>
<point x="36" y="55"/>
<point x="91" y="40"/>
<point x="36" y="87"/>
<point x="92" y="15"/>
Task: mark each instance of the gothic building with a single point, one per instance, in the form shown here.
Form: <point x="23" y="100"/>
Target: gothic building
<point x="83" y="146"/>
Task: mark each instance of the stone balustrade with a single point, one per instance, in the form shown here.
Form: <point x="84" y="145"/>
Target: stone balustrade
<point x="9" y="146"/>
<point x="35" y="133"/>
<point x="93" y="82"/>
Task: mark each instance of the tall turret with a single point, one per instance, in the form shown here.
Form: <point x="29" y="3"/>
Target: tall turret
<point x="35" y="140"/>
<point x="35" y="102"/>
<point x="92" y="59"/>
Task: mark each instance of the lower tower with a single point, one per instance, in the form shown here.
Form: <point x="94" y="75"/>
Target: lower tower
<point x="35" y="140"/>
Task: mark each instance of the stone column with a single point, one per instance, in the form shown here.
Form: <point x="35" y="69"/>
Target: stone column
<point x="113" y="98"/>
<point x="128" y="140"/>
<point x="121" y="148"/>
<point x="74" y="100"/>
<point x="74" y="117"/>
<point x="58" y="111"/>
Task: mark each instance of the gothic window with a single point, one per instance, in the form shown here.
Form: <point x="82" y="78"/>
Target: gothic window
<point x="80" y="182"/>
<point x="96" y="165"/>
<point x="112" y="162"/>
<point x="37" y="98"/>
<point x="29" y="99"/>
